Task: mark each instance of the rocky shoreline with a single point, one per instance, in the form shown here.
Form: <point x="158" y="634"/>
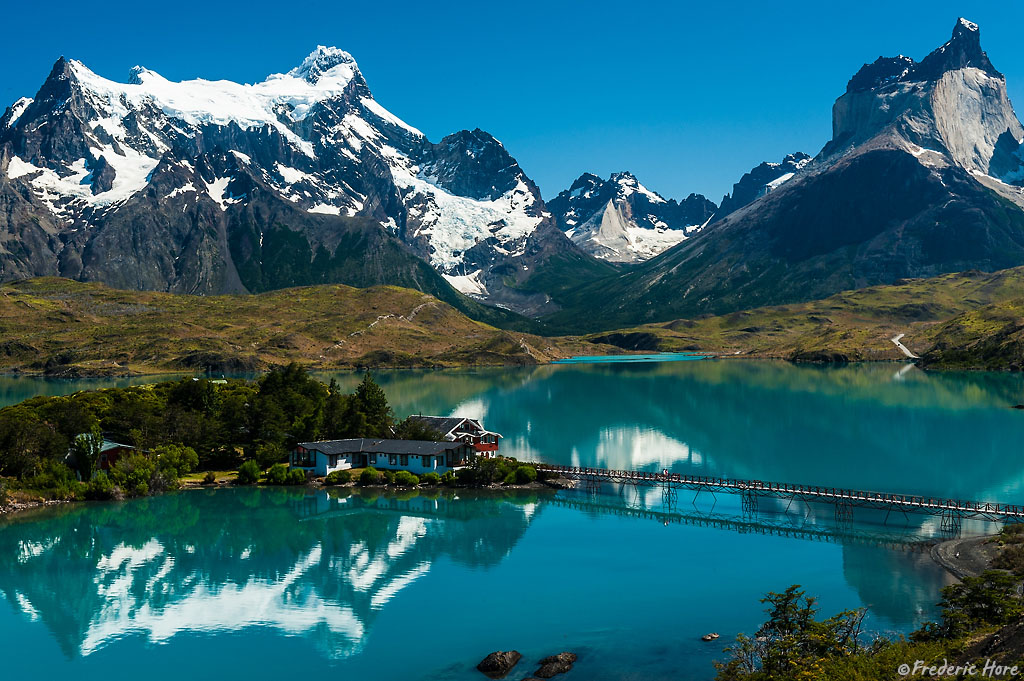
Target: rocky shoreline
<point x="966" y="556"/>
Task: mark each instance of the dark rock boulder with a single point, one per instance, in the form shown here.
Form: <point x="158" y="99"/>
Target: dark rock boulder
<point x="555" y="664"/>
<point x="499" y="663"/>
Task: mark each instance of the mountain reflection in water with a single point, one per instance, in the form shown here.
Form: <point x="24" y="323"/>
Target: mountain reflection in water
<point x="325" y="566"/>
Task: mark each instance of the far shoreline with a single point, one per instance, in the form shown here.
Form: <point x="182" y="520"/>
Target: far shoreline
<point x="85" y="373"/>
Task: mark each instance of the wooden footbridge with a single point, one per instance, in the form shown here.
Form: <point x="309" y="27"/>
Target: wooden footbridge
<point x="952" y="511"/>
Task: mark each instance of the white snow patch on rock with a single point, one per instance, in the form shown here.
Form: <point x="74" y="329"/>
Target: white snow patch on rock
<point x="468" y="284"/>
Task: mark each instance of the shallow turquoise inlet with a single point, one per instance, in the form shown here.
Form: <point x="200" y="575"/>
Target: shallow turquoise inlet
<point x="625" y="359"/>
<point x="247" y="583"/>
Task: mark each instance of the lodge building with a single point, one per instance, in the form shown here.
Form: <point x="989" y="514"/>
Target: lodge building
<point x="415" y="456"/>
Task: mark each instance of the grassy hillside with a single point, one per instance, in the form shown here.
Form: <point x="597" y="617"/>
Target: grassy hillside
<point x="991" y="337"/>
<point x="856" y="325"/>
<point x="62" y="327"/>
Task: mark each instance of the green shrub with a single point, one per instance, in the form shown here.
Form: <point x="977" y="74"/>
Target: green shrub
<point x="406" y="479"/>
<point x="267" y="454"/>
<point x="486" y="471"/>
<point x="248" y="473"/>
<point x="338" y="478"/>
<point x="369" y="476"/>
<point x="210" y="478"/>
<point x="176" y="460"/>
<point x="278" y="474"/>
<point x="974" y="603"/>
<point x="525" y="475"/>
<point x="389" y="477"/>
<point x="430" y="479"/>
<point x="296" y="476"/>
<point x="448" y="478"/>
<point x="1012" y="533"/>
<point x="133" y="474"/>
<point x="100" y="487"/>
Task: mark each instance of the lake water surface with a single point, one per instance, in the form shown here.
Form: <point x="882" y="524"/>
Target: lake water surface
<point x="261" y="583"/>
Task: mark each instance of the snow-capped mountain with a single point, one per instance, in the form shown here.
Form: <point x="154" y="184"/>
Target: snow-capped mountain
<point x="922" y="176"/>
<point x="621" y="220"/>
<point x="214" y="186"/>
<point x="761" y="179"/>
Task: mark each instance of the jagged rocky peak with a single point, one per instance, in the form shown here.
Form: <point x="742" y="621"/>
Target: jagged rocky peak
<point x="882" y="71"/>
<point x="322" y="60"/>
<point x="473" y="163"/>
<point x="949" y="108"/>
<point x="963" y="50"/>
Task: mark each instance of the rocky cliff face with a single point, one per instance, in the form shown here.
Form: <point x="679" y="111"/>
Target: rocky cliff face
<point x="212" y="187"/>
<point x="620" y="220"/>
<point x="922" y="177"/>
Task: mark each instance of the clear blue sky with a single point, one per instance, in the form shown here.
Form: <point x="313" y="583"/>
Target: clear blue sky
<point x="687" y="96"/>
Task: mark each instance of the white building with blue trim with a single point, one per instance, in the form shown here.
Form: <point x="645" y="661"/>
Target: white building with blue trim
<point x="415" y="456"/>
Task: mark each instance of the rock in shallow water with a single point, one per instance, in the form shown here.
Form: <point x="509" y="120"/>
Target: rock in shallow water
<point x="555" y="664"/>
<point x="499" y="663"/>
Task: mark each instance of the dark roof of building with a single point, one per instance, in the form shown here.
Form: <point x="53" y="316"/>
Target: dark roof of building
<point x="446" y="424"/>
<point x="376" y="446"/>
<point x="442" y="424"/>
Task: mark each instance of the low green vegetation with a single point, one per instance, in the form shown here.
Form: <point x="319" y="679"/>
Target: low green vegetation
<point x="500" y="469"/>
<point x="1011" y="549"/>
<point x="989" y="338"/>
<point x="481" y="472"/>
<point x="793" y="644"/>
<point x="278" y="475"/>
<point x="248" y="473"/>
<point x="338" y="478"/>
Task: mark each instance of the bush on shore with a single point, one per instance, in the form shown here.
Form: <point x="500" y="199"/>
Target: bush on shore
<point x="369" y="476"/>
<point x="430" y="479"/>
<point x="100" y="487"/>
<point x="248" y="473"/>
<point x="338" y="478"/>
<point x="406" y="479"/>
<point x="506" y="470"/>
<point x="277" y="474"/>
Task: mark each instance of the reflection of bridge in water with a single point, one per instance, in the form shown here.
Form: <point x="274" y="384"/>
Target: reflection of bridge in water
<point x="772" y="524"/>
<point x="951" y="511"/>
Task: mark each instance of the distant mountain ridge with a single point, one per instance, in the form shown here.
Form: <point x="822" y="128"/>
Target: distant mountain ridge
<point x="923" y="176"/>
<point x="621" y="220"/>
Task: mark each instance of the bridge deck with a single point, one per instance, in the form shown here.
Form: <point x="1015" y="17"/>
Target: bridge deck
<point x="985" y="510"/>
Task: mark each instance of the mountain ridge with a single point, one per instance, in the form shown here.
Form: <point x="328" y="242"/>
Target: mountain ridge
<point x="222" y="165"/>
<point x="904" y="189"/>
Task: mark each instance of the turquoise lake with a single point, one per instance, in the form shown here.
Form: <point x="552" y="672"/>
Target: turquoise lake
<point x="259" y="583"/>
